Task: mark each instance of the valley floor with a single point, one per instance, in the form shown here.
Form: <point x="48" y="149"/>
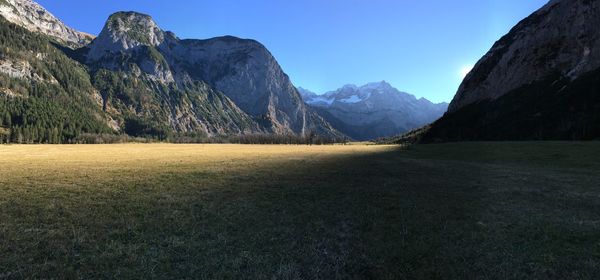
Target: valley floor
<point x="162" y="211"/>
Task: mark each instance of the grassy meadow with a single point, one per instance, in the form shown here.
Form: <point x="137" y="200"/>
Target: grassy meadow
<point x="162" y="211"/>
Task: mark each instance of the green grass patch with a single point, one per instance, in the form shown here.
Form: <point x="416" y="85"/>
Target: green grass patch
<point x="545" y="153"/>
<point x="452" y="211"/>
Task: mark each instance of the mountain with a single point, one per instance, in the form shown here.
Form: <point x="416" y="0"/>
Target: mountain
<point x="35" y="18"/>
<point x="136" y="79"/>
<point x="143" y="89"/>
<point x="247" y="73"/>
<point x="243" y="70"/>
<point x="45" y="96"/>
<point x="540" y="81"/>
<point x="307" y="95"/>
<point x="374" y="110"/>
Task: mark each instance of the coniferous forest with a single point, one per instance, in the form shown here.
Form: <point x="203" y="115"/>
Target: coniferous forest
<point x="53" y="104"/>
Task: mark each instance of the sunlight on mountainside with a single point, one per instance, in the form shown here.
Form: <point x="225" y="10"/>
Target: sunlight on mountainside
<point x="465" y="70"/>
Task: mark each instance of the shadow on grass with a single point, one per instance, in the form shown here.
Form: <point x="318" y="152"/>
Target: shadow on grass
<point x="354" y="216"/>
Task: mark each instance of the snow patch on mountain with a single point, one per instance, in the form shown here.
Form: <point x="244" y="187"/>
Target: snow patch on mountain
<point x="352" y="99"/>
<point x="373" y="110"/>
<point x="321" y="99"/>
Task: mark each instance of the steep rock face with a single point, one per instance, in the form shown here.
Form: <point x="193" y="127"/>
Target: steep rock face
<point x="131" y="41"/>
<point x="132" y="67"/>
<point x="540" y="81"/>
<point x="35" y="18"/>
<point x="373" y="110"/>
<point x="243" y="70"/>
<point x="247" y="73"/>
<point x="125" y="31"/>
<point x="562" y="38"/>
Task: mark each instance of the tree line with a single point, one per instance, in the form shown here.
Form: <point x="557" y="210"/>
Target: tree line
<point x="186" y="138"/>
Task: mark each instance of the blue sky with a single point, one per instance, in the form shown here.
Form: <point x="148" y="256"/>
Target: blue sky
<point x="418" y="46"/>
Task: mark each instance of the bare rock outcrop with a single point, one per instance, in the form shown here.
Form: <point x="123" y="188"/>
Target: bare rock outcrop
<point x="35" y="18"/>
<point x="538" y="82"/>
<point x="562" y="38"/>
<point x="243" y="70"/>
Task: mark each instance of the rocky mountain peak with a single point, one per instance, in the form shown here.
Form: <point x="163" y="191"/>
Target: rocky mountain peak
<point x="383" y="85"/>
<point x="349" y="87"/>
<point x="305" y="93"/>
<point x="35" y="18"/>
<point x="124" y="31"/>
<point x="136" y="27"/>
<point x="559" y="40"/>
<point x="373" y="110"/>
<point x="538" y="82"/>
<point x="242" y="69"/>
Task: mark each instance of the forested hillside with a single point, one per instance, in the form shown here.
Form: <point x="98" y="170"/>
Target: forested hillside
<point x="45" y="97"/>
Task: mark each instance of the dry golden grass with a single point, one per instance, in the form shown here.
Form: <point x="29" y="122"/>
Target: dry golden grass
<point x="79" y="165"/>
<point x="163" y="211"/>
<point x="60" y="202"/>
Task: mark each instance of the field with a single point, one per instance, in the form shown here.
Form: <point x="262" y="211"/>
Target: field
<point x="161" y="211"/>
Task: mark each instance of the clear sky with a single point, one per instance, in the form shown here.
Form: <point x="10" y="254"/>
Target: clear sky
<point x="419" y="46"/>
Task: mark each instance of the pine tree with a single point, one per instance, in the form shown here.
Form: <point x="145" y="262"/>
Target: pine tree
<point x="54" y="136"/>
<point x="7" y="119"/>
<point x="16" y="135"/>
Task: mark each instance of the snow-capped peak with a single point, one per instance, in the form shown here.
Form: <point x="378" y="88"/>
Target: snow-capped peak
<point x="371" y="94"/>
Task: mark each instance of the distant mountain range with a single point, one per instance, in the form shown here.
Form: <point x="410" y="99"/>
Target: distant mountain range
<point x="137" y="79"/>
<point x="374" y="110"/>
<point x="539" y="82"/>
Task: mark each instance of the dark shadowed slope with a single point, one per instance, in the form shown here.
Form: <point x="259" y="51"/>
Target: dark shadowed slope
<point x="540" y="81"/>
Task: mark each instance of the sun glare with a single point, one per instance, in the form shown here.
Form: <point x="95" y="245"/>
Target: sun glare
<point x="464" y="71"/>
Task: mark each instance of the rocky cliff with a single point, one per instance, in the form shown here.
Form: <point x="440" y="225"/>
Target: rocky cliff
<point x="559" y="39"/>
<point x="537" y="82"/>
<point x="243" y="70"/>
<point x="35" y="18"/>
<point x="138" y="78"/>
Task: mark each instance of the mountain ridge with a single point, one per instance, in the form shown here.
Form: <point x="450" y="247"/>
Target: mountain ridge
<point x="243" y="69"/>
<point x="373" y="110"/>
<point x="536" y="38"/>
<point x="35" y="18"/>
<point x="538" y="82"/>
